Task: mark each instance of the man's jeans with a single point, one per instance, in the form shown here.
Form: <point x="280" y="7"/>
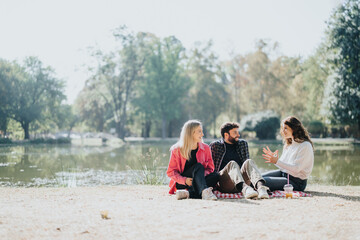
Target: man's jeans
<point x="232" y="174"/>
<point x="276" y="180"/>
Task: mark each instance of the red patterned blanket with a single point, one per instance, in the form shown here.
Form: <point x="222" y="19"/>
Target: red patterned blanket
<point x="274" y="194"/>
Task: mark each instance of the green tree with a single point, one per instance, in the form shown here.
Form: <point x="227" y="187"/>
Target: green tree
<point x="65" y="118"/>
<point x="116" y="74"/>
<point x="92" y="108"/>
<point x="344" y="36"/>
<point x="258" y="82"/>
<point x="7" y="74"/>
<point x="315" y="71"/>
<point x="258" y="70"/>
<point x="237" y="83"/>
<point x="35" y="94"/>
<point x="286" y="90"/>
<point x="208" y="95"/>
<point x="164" y="85"/>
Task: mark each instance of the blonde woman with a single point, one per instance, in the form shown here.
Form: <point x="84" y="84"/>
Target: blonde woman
<point x="191" y="167"/>
<point x="297" y="158"/>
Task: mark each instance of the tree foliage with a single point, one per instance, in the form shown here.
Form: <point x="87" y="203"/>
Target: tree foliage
<point x="32" y="92"/>
<point x="116" y="73"/>
<point x="208" y="96"/>
<point x="150" y="86"/>
<point x="164" y="83"/>
<point x="344" y="35"/>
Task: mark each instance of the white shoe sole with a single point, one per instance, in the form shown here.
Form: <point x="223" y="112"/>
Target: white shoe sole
<point x="264" y="197"/>
<point x="251" y="196"/>
<point x="182" y="195"/>
<point x="213" y="198"/>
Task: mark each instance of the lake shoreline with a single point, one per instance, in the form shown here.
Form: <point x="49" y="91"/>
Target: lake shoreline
<point x="149" y="212"/>
<point x="139" y="140"/>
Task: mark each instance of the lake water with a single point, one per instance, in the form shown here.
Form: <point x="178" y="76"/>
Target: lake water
<point x="143" y="163"/>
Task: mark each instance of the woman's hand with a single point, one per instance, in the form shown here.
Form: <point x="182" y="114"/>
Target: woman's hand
<point x="188" y="182"/>
<point x="269" y="156"/>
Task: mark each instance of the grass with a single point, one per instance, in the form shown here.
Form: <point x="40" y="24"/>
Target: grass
<point x="150" y="173"/>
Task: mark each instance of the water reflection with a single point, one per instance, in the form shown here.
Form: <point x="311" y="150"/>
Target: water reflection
<point x="44" y="165"/>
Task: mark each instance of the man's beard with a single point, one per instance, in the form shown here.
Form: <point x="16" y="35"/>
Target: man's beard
<point x="232" y="140"/>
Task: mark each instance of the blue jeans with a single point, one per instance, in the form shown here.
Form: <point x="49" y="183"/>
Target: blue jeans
<point x="200" y="182"/>
<point x="276" y="180"/>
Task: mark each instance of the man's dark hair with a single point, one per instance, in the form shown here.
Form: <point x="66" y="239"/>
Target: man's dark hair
<point x="226" y="127"/>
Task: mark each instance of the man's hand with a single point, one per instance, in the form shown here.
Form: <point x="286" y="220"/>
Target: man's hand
<point x="269" y="156"/>
<point x="188" y="181"/>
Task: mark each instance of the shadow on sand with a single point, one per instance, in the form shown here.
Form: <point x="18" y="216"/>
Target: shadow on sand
<point x="243" y="201"/>
<point x="329" y="194"/>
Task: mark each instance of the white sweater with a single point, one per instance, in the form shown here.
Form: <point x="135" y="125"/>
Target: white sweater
<point x="297" y="160"/>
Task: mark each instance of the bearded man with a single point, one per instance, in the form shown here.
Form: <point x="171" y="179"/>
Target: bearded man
<point x="238" y="173"/>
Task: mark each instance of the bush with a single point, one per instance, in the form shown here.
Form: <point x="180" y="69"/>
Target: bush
<point x="316" y="129"/>
<point x="63" y="140"/>
<point x="5" y="141"/>
<point x="267" y="128"/>
<point x="265" y="124"/>
<point x="50" y="141"/>
<point x="352" y="131"/>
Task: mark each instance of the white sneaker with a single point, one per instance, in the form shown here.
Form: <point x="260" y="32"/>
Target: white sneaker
<point x="207" y="194"/>
<point x="263" y="192"/>
<point x="182" y="194"/>
<point x="249" y="192"/>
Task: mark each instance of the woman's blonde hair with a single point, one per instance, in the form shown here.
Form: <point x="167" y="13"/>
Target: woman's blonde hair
<point x="186" y="140"/>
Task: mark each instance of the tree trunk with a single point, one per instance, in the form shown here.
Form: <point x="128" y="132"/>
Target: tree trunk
<point x="72" y="126"/>
<point x="120" y="130"/>
<point x="25" y="127"/>
<point x="3" y="126"/>
<point x="100" y="125"/>
<point x="163" y="135"/>
<point x="145" y="131"/>
<point x="69" y="132"/>
<point x="170" y="129"/>
<point x="147" y="128"/>
<point x="117" y="128"/>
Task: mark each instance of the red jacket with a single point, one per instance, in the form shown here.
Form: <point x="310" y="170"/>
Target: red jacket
<point x="177" y="164"/>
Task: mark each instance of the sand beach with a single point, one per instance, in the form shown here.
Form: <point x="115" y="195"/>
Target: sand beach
<point x="149" y="212"/>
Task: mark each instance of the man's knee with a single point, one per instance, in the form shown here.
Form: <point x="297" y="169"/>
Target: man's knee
<point x="248" y="162"/>
<point x="233" y="164"/>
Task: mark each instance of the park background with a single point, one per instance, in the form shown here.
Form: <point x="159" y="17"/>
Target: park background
<point x="133" y="82"/>
<point x="93" y="94"/>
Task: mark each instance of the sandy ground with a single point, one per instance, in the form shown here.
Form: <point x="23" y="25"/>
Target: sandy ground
<point x="148" y="212"/>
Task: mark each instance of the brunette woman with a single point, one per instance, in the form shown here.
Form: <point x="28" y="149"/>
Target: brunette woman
<point x="297" y="158"/>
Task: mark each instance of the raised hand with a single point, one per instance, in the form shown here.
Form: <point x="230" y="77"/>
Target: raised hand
<point x="269" y="156"/>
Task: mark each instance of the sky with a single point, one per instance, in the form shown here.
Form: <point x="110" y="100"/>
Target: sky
<point x="60" y="32"/>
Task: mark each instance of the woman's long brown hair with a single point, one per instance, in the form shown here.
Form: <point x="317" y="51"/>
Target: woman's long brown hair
<point x="300" y="133"/>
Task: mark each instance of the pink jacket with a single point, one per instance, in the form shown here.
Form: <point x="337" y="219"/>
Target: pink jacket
<point x="177" y="164"/>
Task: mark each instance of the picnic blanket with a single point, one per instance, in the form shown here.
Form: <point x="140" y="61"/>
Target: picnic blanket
<point x="274" y="194"/>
